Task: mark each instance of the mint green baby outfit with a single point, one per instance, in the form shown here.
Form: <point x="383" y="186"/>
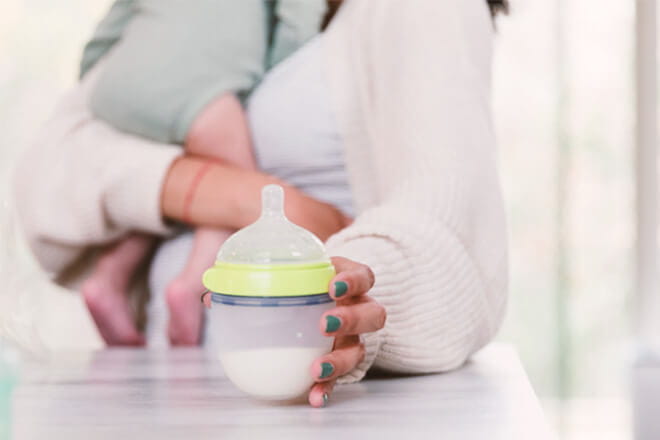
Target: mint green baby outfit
<point x="168" y="59"/>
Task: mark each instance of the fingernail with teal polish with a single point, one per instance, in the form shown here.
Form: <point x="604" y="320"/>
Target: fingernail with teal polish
<point x="332" y="324"/>
<point x="326" y="370"/>
<point x="340" y="288"/>
<point x="325" y="399"/>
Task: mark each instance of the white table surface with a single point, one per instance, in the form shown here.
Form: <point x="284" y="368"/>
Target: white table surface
<point x="124" y="394"/>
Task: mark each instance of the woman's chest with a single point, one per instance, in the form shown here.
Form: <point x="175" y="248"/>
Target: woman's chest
<point x="295" y="131"/>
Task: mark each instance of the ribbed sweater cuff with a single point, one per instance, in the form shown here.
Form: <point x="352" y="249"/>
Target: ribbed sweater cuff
<point x="388" y="264"/>
<point x="133" y="198"/>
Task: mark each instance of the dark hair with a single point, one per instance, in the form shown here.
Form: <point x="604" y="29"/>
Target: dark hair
<point x="496" y="7"/>
<point x="333" y="6"/>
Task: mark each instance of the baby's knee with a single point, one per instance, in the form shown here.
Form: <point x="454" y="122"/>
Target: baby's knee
<point x="220" y="130"/>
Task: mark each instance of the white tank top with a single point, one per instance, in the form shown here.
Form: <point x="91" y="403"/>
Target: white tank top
<point x="294" y="131"/>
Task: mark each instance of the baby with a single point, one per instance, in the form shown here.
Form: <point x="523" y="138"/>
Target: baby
<point x="178" y="72"/>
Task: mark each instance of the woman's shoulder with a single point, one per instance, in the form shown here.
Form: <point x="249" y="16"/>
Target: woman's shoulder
<point x="389" y="16"/>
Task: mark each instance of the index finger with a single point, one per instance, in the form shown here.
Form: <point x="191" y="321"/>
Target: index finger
<point x="352" y="279"/>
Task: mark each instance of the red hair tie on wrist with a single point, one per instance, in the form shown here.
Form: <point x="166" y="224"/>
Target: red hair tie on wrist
<point x="190" y="195"/>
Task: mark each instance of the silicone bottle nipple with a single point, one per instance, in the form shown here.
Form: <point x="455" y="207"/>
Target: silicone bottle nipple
<point x="273" y="238"/>
<point x="272" y="202"/>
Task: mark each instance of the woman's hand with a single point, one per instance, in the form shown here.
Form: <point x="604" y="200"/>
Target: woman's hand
<point x="355" y="313"/>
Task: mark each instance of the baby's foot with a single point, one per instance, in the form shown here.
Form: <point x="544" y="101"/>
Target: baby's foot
<point x="185" y="312"/>
<point x="109" y="307"/>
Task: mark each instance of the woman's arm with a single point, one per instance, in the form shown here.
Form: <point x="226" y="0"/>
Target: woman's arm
<point x="83" y="184"/>
<point x="436" y="237"/>
<point x="224" y="196"/>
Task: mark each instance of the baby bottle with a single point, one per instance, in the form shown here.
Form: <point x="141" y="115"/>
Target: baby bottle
<point x="269" y="288"/>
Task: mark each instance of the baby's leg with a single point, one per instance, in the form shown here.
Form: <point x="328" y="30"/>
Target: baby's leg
<point x="106" y="291"/>
<point x="221" y="132"/>
<point x="183" y="294"/>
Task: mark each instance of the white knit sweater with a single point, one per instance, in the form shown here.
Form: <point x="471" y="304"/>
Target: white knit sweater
<point x="411" y="85"/>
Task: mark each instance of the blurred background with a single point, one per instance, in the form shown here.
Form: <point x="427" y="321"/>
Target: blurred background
<point x="564" y="111"/>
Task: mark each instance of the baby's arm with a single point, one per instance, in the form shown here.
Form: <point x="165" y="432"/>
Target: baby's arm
<point x="221" y="132"/>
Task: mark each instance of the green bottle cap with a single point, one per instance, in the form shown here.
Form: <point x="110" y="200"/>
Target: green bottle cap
<point x="271" y="257"/>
